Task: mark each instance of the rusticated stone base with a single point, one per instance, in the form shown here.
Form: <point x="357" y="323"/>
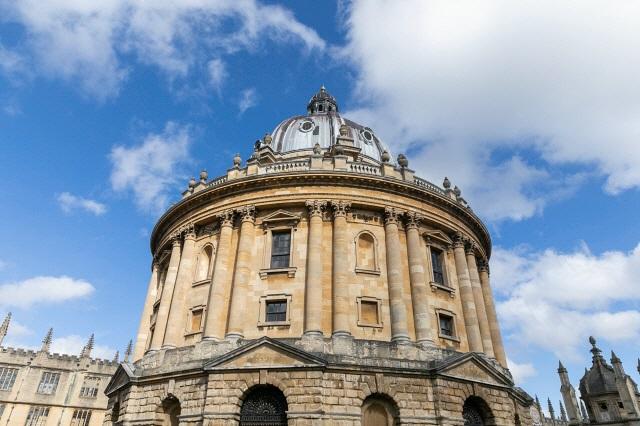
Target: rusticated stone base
<point x="420" y="388"/>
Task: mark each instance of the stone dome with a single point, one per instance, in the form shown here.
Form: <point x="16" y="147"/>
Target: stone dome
<point x="321" y="125"/>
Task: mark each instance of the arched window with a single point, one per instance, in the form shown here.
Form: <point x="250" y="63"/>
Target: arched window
<point x="366" y="253"/>
<point x="169" y="411"/>
<point x="264" y="405"/>
<point x="476" y="412"/>
<point x="203" y="270"/>
<point x="379" y="410"/>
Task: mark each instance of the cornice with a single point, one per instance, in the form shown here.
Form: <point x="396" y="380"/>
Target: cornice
<point x="182" y="210"/>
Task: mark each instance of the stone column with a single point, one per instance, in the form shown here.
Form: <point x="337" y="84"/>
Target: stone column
<point x="241" y="276"/>
<point x="395" y="277"/>
<point x="178" y="312"/>
<point x="494" y="327"/>
<point x="167" y="294"/>
<point x="478" y="298"/>
<point x="466" y="296"/>
<point x="418" y="279"/>
<point x="341" y="305"/>
<point x="313" y="290"/>
<point x="215" y="323"/>
<point x="145" y="321"/>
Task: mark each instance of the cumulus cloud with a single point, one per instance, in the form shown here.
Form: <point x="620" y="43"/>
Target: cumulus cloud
<point x="42" y="290"/>
<point x="69" y="202"/>
<point x="248" y="99"/>
<point x="152" y="168"/>
<point x="217" y="73"/>
<point x="501" y="95"/>
<point x="575" y="294"/>
<point x="73" y="344"/>
<point x="521" y="372"/>
<point x="94" y="37"/>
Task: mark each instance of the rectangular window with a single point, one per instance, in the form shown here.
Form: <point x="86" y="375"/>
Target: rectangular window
<point x="90" y="387"/>
<point x="436" y="265"/>
<point x="7" y="378"/>
<point x="446" y="325"/>
<point x="196" y="320"/>
<point x="37" y="416"/>
<point x="369" y="312"/>
<point x="280" y="249"/>
<point x="81" y="418"/>
<point x="276" y="311"/>
<point x="48" y="383"/>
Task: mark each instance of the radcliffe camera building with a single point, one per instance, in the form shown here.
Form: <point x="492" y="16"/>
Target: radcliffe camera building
<point x="319" y="282"/>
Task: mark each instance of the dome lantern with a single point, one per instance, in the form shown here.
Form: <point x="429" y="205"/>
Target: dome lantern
<point x="322" y="102"/>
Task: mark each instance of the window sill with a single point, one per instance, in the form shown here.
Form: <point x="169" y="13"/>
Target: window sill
<point x="291" y="272"/>
<point x="369" y="325"/>
<point x="275" y="324"/>
<point x="436" y="286"/>
<point x="367" y="271"/>
<point x="452" y="338"/>
<point x="201" y="282"/>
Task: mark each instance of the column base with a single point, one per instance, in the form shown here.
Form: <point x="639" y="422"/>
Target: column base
<point x="342" y="342"/>
<point x="168" y="347"/>
<point x="313" y="341"/>
<point x="401" y="340"/>
<point x="233" y="337"/>
<point x="426" y="343"/>
<point x="211" y="339"/>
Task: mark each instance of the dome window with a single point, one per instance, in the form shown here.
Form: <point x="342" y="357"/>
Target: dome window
<point x="306" y="126"/>
<point x="367" y="136"/>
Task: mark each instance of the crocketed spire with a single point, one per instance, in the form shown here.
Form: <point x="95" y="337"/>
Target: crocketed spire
<point x="128" y="351"/>
<point x="86" y="351"/>
<point x="46" y="342"/>
<point x="4" y="328"/>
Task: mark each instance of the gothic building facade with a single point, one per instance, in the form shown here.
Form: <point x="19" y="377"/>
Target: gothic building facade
<point x="320" y="282"/>
<point x="40" y="388"/>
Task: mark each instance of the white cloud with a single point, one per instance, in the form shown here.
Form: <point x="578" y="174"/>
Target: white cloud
<point x="471" y="86"/>
<point x="94" y="37"/>
<point x="248" y="99"/>
<point x="10" y="62"/>
<point x="151" y="169"/>
<point x="520" y="372"/>
<point x="43" y="289"/>
<point x="217" y="73"/>
<point x="73" y="345"/>
<point x="573" y="294"/>
<point x="69" y="202"/>
<point x="3" y="264"/>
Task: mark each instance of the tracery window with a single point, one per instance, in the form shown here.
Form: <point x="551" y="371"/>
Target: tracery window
<point x="49" y="383"/>
<point x="37" y="416"/>
<point x="264" y="405"/>
<point x="7" y="378"/>
<point x="81" y="418"/>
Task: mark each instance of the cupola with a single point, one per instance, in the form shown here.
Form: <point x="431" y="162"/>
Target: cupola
<point x="322" y="102"/>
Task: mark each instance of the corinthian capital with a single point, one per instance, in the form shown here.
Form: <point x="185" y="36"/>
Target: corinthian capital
<point x="247" y="213"/>
<point x="226" y="217"/>
<point x="315" y="207"/>
<point x="340" y="208"/>
<point x="412" y="220"/>
<point x="470" y="248"/>
<point x="189" y="231"/>
<point x="483" y="266"/>
<point x="392" y="215"/>
<point x="458" y="240"/>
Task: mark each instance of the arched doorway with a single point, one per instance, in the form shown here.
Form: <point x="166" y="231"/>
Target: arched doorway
<point x="476" y="412"/>
<point x="379" y="410"/>
<point x="264" y="405"/>
<point x="169" y="411"/>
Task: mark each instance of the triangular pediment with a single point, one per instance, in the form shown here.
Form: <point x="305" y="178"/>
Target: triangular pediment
<point x="280" y="216"/>
<point x="473" y="367"/>
<point x="437" y="235"/>
<point x="264" y="353"/>
<point x="120" y="378"/>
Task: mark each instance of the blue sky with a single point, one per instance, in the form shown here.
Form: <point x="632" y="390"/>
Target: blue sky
<point x="107" y="108"/>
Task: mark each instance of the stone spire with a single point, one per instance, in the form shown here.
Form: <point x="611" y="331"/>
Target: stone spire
<point x="116" y="357"/>
<point x="538" y="403"/>
<point x="568" y="395"/>
<point x="127" y="352"/>
<point x="597" y="353"/>
<point x="583" y="410"/>
<point x="5" y="327"/>
<point x="626" y="388"/>
<point x="46" y="342"/>
<point x="552" y="413"/>
<point x="86" y="351"/>
<point x="563" y="414"/>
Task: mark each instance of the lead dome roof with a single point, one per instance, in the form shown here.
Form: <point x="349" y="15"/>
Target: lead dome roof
<point x="322" y="125"/>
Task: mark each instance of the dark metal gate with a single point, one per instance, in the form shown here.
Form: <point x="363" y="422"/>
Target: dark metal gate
<point x="264" y="406"/>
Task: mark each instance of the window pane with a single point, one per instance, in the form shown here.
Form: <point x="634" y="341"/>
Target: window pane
<point x="48" y="383"/>
<point x="436" y="265"/>
<point x="37" y="416"/>
<point x="280" y="249"/>
<point x="446" y="325"/>
<point x="7" y="378"/>
<point x="276" y="311"/>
